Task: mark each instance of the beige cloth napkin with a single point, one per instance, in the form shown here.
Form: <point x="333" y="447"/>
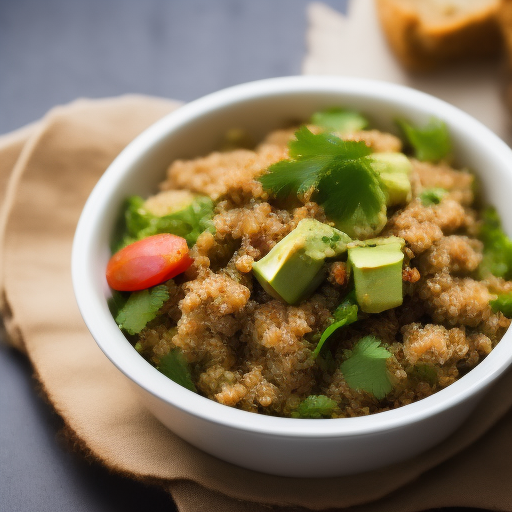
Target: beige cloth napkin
<point x="47" y="171"/>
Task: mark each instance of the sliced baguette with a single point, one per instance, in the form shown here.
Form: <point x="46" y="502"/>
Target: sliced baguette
<point x="426" y="34"/>
<point x="505" y="21"/>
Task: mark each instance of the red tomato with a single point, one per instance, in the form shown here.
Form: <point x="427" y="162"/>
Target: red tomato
<point x="148" y="262"/>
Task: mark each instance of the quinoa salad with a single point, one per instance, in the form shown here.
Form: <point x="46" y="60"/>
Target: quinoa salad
<point x="329" y="271"/>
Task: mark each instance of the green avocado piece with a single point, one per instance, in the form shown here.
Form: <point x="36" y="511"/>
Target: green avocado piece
<point x="294" y="268"/>
<point x="376" y="265"/>
<point x="394" y="170"/>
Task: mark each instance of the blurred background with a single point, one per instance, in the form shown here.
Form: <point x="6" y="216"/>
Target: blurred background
<point x="55" y="51"/>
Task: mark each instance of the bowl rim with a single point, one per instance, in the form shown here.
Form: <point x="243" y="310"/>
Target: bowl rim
<point x="108" y="336"/>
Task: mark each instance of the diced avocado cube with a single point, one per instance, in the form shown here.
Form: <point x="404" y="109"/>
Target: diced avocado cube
<point x="394" y="170"/>
<point x="377" y="269"/>
<point x="294" y="268"/>
<point x="397" y="188"/>
<point x="391" y="163"/>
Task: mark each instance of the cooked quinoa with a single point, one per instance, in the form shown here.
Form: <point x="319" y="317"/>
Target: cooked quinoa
<point x="249" y="350"/>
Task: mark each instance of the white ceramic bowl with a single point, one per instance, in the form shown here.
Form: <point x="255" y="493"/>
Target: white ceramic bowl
<point x="282" y="446"/>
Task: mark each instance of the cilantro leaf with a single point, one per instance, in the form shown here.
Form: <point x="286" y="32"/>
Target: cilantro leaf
<point x="140" y="308"/>
<point x="188" y="222"/>
<point x="326" y="362"/>
<point x="497" y="253"/>
<point x="430" y="143"/>
<point x="432" y="196"/>
<point x="339" y="120"/>
<point x="345" y="183"/>
<point x="293" y="177"/>
<point x="315" y="406"/>
<point x="312" y="145"/>
<point x="365" y="368"/>
<point x="354" y="199"/>
<point x="117" y="301"/>
<point x="425" y="373"/>
<point x="175" y="367"/>
<point x="502" y="303"/>
<point x="344" y="314"/>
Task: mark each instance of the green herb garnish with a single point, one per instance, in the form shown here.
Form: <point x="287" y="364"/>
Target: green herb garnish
<point x="175" y="367"/>
<point x="339" y="120"/>
<point x="497" y="253"/>
<point x="344" y="314"/>
<point x="365" y="368"/>
<point x="140" y="308"/>
<point x="502" y="303"/>
<point x="425" y="373"/>
<point x="326" y="362"/>
<point x="432" y="196"/>
<point x="345" y="183"/>
<point x="315" y="406"/>
<point x="117" y="302"/>
<point x="188" y="222"/>
<point x="430" y="143"/>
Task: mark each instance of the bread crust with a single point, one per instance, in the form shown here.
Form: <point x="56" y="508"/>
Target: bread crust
<point x="505" y="22"/>
<point x="421" y="46"/>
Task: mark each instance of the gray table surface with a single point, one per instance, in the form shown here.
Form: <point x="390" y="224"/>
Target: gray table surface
<point x="54" y="51"/>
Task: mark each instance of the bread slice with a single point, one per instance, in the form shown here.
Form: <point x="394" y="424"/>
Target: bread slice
<point x="505" y="21"/>
<point x="425" y="34"/>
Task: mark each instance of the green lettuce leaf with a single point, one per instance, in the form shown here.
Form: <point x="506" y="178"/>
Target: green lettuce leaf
<point x="365" y="368"/>
<point x="175" y="367"/>
<point x="315" y="406"/>
<point x="188" y="223"/>
<point x="140" y="308"/>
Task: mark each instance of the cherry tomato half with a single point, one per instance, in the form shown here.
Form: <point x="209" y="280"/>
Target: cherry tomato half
<point x="148" y="262"/>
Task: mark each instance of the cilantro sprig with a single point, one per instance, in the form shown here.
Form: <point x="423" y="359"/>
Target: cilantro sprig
<point x="315" y="406"/>
<point x="175" y="367"/>
<point x="140" y="308"/>
<point x="344" y="314"/>
<point x="424" y="373"/>
<point x="365" y="368"/>
<point x="342" y="177"/>
<point x="430" y="142"/>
